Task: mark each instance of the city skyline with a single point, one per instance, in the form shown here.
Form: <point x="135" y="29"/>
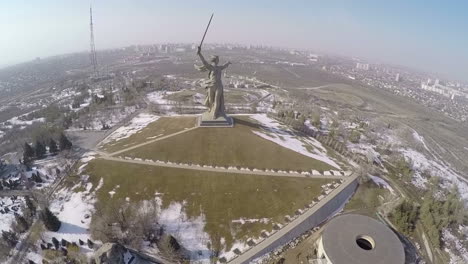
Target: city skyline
<point x="428" y="36"/>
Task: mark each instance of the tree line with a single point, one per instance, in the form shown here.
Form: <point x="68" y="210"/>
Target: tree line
<point x="437" y="212"/>
<point x="39" y="149"/>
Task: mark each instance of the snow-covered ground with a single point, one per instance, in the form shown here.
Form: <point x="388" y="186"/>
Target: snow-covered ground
<point x="65" y="93"/>
<point x="459" y="253"/>
<point x="421" y="159"/>
<point x="158" y="97"/>
<point x="74" y="210"/>
<point x="110" y="117"/>
<point x="87" y="157"/>
<point x="283" y="136"/>
<point x="136" y="124"/>
<point x="8" y="207"/>
<point x="16" y="121"/>
<point x="245" y="220"/>
<point x="199" y="98"/>
<point x="188" y="231"/>
<point x="420" y="163"/>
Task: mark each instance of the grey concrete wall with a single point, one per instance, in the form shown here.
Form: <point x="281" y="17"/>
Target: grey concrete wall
<point x="315" y="219"/>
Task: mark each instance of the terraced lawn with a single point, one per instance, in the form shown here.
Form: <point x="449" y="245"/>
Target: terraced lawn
<point x="236" y="146"/>
<point x="220" y="197"/>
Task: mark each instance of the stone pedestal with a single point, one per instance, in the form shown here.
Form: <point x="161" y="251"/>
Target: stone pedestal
<point x="223" y="121"/>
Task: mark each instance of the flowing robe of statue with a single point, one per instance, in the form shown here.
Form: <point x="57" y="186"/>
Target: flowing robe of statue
<point x="214" y="86"/>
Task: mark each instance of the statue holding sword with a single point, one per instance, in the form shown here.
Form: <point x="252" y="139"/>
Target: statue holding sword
<point x="214" y="95"/>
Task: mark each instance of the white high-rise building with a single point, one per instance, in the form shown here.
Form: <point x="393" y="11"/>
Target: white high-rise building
<point x="397" y="77"/>
<point x="362" y="66"/>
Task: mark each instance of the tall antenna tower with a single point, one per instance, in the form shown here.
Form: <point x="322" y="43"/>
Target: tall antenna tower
<point x="93" y="48"/>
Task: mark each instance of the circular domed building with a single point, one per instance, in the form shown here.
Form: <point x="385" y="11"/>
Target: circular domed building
<point x="358" y="239"/>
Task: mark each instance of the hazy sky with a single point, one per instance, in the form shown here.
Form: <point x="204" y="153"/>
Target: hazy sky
<point x="428" y="35"/>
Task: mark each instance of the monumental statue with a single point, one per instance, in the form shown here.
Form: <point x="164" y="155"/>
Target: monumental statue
<point x="215" y="114"/>
<point x="214" y="86"/>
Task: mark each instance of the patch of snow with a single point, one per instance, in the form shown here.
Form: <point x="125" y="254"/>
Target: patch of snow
<point x="100" y="184"/>
<point x="87" y="157"/>
<point x="188" y="231"/>
<point x="241" y="246"/>
<point x="35" y="257"/>
<point x="381" y="182"/>
<point x="158" y="97"/>
<point x="245" y="220"/>
<point x="16" y="121"/>
<point x="72" y="209"/>
<point x="286" y="138"/>
<point x="420" y="139"/>
<point x="12" y="205"/>
<point x="199" y="98"/>
<point x="458" y="252"/>
<point x="135" y="125"/>
<point x="419" y="181"/>
<point x="421" y="163"/>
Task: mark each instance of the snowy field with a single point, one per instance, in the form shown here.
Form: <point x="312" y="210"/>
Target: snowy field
<point x="8" y="207"/>
<point x="158" y="97"/>
<point x="136" y="124"/>
<point x="420" y="163"/>
<point x="284" y="137"/>
<point x="74" y="210"/>
<point x="188" y="232"/>
<point x="16" y="121"/>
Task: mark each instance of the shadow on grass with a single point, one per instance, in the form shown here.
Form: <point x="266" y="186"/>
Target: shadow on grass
<point x="246" y="123"/>
<point x="67" y="228"/>
<point x="291" y="132"/>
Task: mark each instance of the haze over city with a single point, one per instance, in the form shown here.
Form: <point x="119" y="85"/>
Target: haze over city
<point x="427" y="35"/>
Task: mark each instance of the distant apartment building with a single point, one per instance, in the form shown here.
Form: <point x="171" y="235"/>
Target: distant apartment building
<point x="362" y="66"/>
<point x="397" y="77"/>
<point x="439" y="88"/>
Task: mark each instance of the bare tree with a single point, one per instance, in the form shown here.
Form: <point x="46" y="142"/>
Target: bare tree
<point x="126" y="223"/>
<point x="363" y="173"/>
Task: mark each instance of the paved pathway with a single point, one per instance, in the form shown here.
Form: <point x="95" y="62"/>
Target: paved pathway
<point x="246" y="256"/>
<point x="150" y="141"/>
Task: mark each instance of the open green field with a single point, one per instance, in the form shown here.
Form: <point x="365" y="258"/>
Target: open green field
<point x="220" y="197"/>
<point x="161" y="127"/>
<point x="236" y="146"/>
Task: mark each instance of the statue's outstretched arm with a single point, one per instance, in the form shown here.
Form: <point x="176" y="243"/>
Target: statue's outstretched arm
<point x="226" y="65"/>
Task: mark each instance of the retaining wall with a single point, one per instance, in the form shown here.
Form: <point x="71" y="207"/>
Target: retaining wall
<point x="312" y="221"/>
